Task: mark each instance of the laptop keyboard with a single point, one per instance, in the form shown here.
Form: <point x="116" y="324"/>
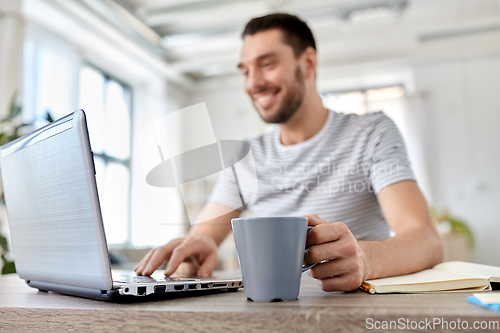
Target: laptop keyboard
<point x="147" y="279"/>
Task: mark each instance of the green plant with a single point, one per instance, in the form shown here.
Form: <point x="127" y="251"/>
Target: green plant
<point x="455" y="225"/>
<point x="10" y="128"/>
<point x="7" y="266"/>
<point x="9" y="132"/>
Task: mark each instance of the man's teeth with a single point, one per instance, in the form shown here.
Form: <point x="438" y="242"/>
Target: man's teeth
<point x="265" y="98"/>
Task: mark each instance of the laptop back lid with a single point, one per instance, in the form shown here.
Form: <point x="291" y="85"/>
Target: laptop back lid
<point x="53" y="208"/>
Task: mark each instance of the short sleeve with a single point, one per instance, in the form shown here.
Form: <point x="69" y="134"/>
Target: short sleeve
<point x="387" y="154"/>
<point x="226" y="190"/>
<point x="235" y="183"/>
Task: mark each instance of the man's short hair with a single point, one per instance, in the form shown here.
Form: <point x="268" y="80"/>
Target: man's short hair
<point x="296" y="33"/>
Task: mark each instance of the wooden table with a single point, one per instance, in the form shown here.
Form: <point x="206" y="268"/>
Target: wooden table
<point x="25" y="309"/>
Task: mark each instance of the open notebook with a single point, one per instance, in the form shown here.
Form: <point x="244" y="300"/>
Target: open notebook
<point x="447" y="276"/>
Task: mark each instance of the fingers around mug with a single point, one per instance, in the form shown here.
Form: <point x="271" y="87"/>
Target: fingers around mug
<point x="345" y="282"/>
<point x="331" y="268"/>
<point x="307" y="267"/>
<point x="321" y="252"/>
<point x="325" y="233"/>
<point x="314" y="220"/>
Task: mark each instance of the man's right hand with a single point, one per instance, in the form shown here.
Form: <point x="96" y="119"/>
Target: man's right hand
<point x="212" y="226"/>
<point x="199" y="247"/>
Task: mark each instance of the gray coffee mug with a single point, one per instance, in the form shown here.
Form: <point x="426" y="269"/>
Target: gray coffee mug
<point x="271" y="253"/>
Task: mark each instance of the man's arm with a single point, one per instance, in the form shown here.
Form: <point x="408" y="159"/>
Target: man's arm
<point x="214" y="221"/>
<point x="213" y="225"/>
<point x="415" y="246"/>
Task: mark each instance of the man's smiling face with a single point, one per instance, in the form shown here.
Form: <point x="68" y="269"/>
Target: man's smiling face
<point x="273" y="76"/>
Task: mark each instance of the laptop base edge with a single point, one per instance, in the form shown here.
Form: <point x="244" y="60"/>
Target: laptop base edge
<point x="114" y="294"/>
<point x="103" y="295"/>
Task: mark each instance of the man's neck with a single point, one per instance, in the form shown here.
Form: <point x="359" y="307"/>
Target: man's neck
<point x="305" y="123"/>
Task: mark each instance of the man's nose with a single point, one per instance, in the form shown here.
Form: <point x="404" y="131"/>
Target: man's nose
<point x="255" y="81"/>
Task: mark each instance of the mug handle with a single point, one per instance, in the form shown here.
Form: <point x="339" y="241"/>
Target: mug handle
<point x="306" y="267"/>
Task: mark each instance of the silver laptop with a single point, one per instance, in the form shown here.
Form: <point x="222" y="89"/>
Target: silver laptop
<point x="55" y="219"/>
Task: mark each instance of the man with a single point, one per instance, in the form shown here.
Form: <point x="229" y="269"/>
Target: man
<point x="345" y="168"/>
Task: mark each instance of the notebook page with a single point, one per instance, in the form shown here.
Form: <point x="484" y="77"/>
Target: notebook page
<point x="469" y="268"/>
<point x="425" y="276"/>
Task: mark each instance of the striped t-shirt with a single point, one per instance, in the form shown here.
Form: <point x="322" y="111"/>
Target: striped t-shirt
<point x="336" y="174"/>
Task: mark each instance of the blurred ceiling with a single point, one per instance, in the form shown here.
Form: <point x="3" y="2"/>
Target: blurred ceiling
<point x="201" y="38"/>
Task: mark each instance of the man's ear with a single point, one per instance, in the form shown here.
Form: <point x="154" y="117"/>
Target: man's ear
<point x="310" y="62"/>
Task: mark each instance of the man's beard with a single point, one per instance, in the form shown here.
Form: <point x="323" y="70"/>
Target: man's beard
<point x="292" y="100"/>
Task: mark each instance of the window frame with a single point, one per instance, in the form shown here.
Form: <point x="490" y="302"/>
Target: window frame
<point x="108" y="158"/>
<point x="363" y="92"/>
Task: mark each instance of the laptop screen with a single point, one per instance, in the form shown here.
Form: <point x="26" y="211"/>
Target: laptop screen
<point x="53" y="208"/>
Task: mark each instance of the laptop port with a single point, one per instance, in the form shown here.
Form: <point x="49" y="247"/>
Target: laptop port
<point x="192" y="287"/>
<point x="160" y="289"/>
<point x="205" y="285"/>
<point x="179" y="287"/>
<point x="141" y="291"/>
<point x="219" y="285"/>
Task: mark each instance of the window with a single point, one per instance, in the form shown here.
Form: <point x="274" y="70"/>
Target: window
<point x="50" y="77"/>
<point x="390" y="100"/>
<point x="394" y="102"/>
<point x="58" y="80"/>
<point x="106" y="103"/>
<point x="361" y="101"/>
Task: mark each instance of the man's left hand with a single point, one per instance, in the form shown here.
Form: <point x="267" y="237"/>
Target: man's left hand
<point x="341" y="263"/>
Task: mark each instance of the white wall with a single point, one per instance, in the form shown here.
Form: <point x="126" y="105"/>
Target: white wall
<point x="157" y="213"/>
<point x="462" y="105"/>
<point x="231" y="111"/>
<point x="233" y="118"/>
<point x="11" y="36"/>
